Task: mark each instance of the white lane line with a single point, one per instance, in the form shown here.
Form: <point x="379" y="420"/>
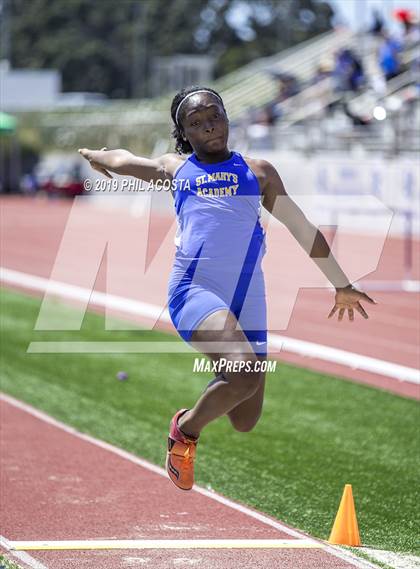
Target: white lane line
<point x="21" y="555"/>
<point x="275" y="341"/>
<point x="393" y="559"/>
<point x="82" y="294"/>
<point x="93" y="544"/>
<point x="406" y="285"/>
<point x="347" y="556"/>
<point x="350" y="359"/>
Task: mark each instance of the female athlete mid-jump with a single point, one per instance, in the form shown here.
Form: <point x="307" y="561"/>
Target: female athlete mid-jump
<point x="216" y="288"/>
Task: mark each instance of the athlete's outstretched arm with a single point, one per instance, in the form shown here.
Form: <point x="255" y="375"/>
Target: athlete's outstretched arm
<point x="124" y="162"/>
<point x="276" y="200"/>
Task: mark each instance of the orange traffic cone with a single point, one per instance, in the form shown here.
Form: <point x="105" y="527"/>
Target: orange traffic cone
<point x="345" y="530"/>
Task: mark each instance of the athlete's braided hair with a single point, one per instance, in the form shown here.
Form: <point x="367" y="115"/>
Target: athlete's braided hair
<point x="183" y="146"/>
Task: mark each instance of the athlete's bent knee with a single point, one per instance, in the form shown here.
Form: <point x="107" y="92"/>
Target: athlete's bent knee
<point x="245" y="425"/>
<point x="245" y="383"/>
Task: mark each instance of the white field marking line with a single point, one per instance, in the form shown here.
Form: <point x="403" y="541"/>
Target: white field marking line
<point x="300" y="347"/>
<point x="393" y="559"/>
<point x="82" y="294"/>
<point x="21" y="555"/>
<point x="405" y="285"/>
<point x="350" y="557"/>
<point x="347" y="556"/>
<point x="92" y="544"/>
<point x="349" y="359"/>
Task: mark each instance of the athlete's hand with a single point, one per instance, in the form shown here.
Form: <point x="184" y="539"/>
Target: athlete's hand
<point x="86" y="153"/>
<point x="348" y="298"/>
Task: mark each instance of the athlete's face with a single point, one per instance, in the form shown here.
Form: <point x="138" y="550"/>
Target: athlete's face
<point x="205" y="124"/>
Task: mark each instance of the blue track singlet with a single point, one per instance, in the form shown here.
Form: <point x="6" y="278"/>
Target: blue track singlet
<point x="219" y="247"/>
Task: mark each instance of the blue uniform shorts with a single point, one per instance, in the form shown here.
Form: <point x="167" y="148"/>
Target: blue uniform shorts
<point x="195" y="294"/>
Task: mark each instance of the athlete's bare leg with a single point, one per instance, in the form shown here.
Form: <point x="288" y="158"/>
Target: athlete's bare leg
<point x="223" y="396"/>
<point x="246" y="414"/>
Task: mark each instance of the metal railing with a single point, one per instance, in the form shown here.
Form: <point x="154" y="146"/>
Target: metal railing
<point x="398" y="135"/>
<point x="255" y="85"/>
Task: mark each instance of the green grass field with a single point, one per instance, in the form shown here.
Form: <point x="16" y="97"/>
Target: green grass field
<point x="316" y="434"/>
<point x="5" y="563"/>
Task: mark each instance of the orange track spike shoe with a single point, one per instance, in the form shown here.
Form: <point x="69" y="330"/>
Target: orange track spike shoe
<point x="181" y="455"/>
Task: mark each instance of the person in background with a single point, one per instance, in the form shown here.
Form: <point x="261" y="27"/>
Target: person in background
<point x="348" y="71"/>
<point x="377" y="26"/>
<point x="406" y="18"/>
<point x="389" y="56"/>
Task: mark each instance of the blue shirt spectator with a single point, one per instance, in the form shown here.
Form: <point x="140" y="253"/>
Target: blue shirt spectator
<point x="389" y="60"/>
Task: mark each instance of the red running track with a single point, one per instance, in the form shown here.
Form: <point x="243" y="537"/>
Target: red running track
<point x="58" y="485"/>
<point x="32" y="229"/>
